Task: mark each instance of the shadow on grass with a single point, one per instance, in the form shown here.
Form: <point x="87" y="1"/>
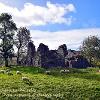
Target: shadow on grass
<point x="88" y="76"/>
<point x="89" y="73"/>
<point x="29" y="69"/>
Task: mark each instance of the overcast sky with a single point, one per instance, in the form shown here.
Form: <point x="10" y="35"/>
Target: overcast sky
<point x="56" y="22"/>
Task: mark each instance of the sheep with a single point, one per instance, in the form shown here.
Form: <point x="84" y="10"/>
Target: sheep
<point x="99" y="71"/>
<point x="67" y="71"/>
<point x="2" y="71"/>
<point x="9" y="73"/>
<point x="25" y="78"/>
<point x="64" y="71"/>
<point x="2" y="66"/>
<point x="18" y="73"/>
<point x="48" y="72"/>
<point x="8" y="70"/>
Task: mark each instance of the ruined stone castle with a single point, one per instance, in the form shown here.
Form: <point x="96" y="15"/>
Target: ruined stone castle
<point x="43" y="57"/>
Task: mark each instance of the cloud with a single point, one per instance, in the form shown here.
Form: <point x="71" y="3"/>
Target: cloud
<point x="32" y="14"/>
<point x="72" y="38"/>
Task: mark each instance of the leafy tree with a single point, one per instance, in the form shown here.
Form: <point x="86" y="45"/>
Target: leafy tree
<point x="7" y="28"/>
<point x="91" y="48"/>
<point x="22" y="39"/>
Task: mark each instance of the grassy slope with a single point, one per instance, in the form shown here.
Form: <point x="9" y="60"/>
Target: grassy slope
<point x="82" y="84"/>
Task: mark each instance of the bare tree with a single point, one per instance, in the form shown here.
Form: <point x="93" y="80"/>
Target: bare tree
<point x="21" y="41"/>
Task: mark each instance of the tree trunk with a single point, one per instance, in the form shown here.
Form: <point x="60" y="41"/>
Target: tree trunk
<point x="90" y="60"/>
<point x="18" y="57"/>
<point x="6" y="62"/>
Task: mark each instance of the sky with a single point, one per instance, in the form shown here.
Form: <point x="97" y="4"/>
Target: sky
<point x="56" y="22"/>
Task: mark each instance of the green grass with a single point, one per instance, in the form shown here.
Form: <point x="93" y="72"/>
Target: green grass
<point x="78" y="84"/>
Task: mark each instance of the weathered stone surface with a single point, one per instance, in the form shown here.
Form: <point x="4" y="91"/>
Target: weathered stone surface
<point x="30" y="54"/>
<point x="81" y="62"/>
<point x="61" y="57"/>
<point x="75" y="60"/>
<point x="55" y="59"/>
<point x="62" y="50"/>
<point x="50" y="58"/>
<point x="42" y="55"/>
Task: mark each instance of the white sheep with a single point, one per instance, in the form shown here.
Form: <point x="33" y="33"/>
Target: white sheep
<point x="99" y="71"/>
<point x="67" y="70"/>
<point x="2" y="71"/>
<point x="8" y="70"/>
<point x="9" y="73"/>
<point x="25" y="78"/>
<point x="47" y="72"/>
<point x="64" y="71"/>
<point x="18" y="73"/>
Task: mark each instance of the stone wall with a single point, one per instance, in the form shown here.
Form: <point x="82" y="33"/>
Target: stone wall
<point x="31" y="53"/>
<point x="44" y="57"/>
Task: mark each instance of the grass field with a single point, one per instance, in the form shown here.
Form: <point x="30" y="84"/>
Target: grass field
<point x="78" y="84"/>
